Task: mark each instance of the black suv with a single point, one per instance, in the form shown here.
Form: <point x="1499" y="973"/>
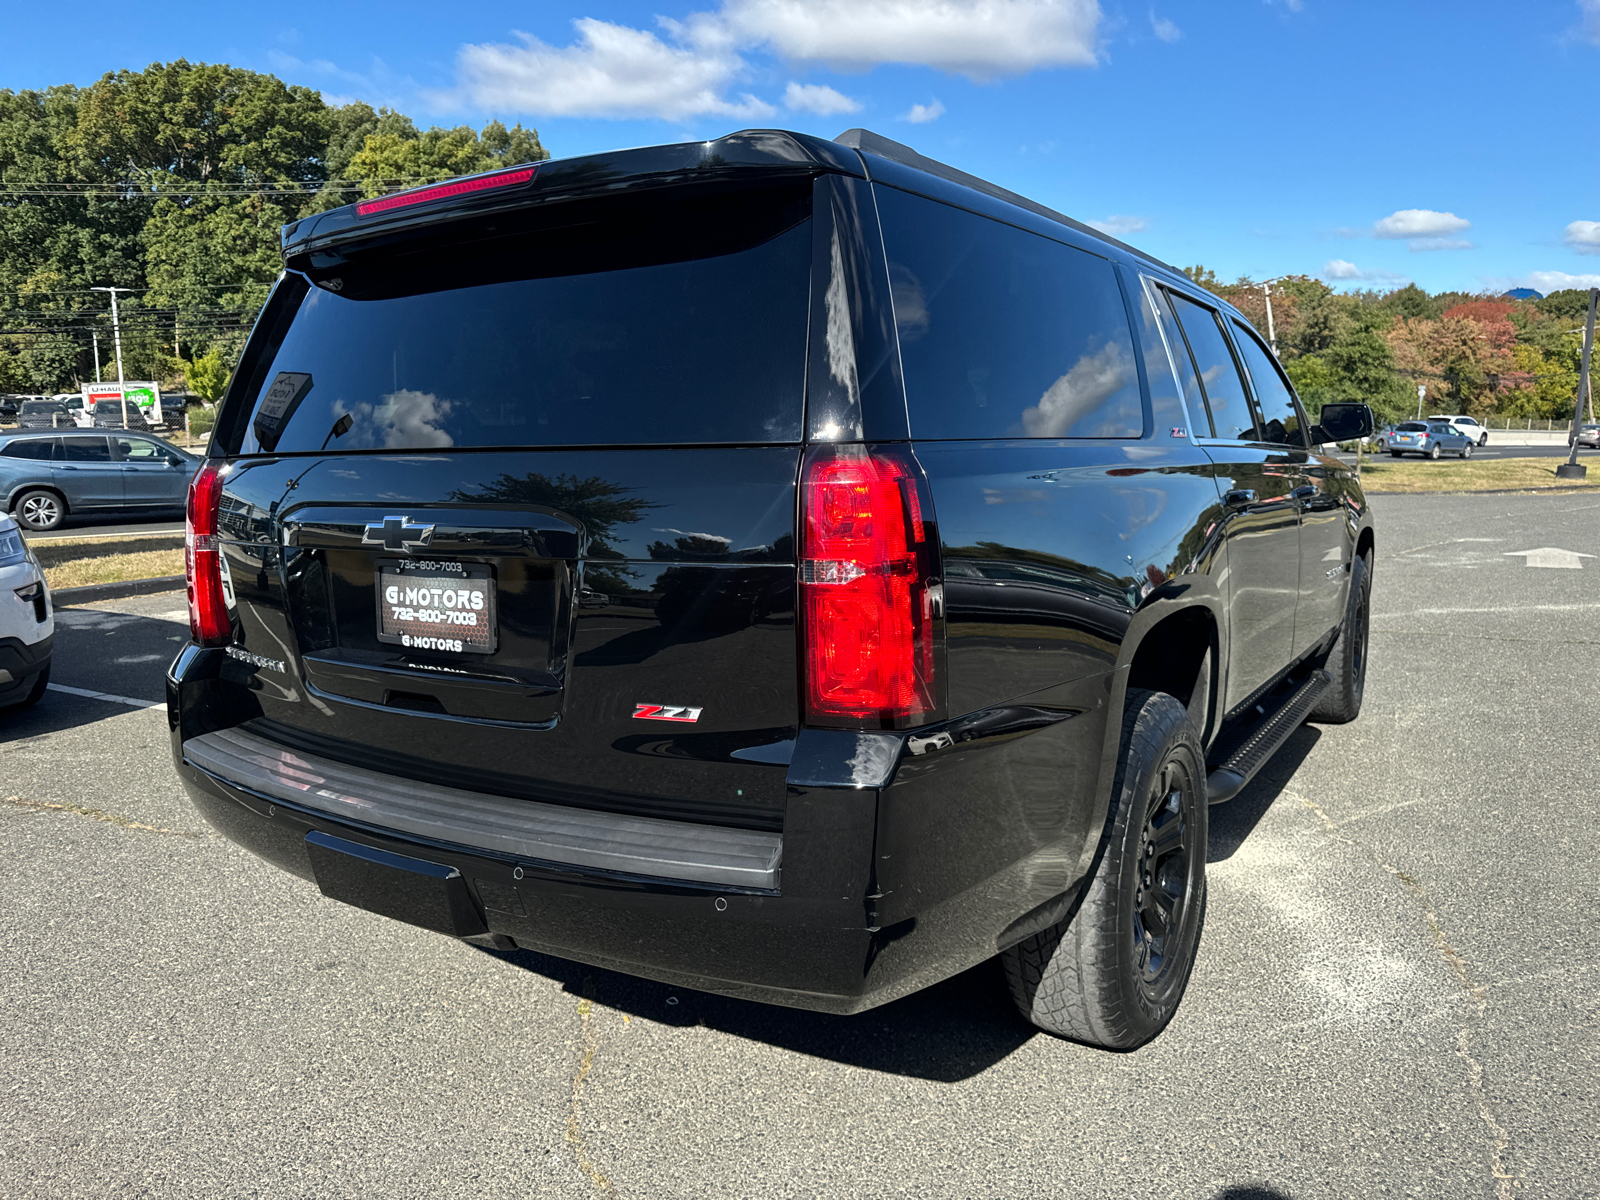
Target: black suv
<point x="787" y="568"/>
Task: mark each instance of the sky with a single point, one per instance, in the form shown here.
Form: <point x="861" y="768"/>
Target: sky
<point x="1456" y="145"/>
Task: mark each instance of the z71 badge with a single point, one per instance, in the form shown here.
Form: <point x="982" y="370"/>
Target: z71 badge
<point x="665" y="712"/>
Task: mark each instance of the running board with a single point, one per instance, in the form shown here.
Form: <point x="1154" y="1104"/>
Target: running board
<point x="1262" y="742"/>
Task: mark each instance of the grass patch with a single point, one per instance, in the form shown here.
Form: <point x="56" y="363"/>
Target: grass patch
<point x="1473" y="475"/>
<point x="78" y="562"/>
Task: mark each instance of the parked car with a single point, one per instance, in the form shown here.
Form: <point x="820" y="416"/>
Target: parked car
<point x="10" y="406"/>
<point x="1589" y="436"/>
<point x="772" y="392"/>
<point x="1466" y="426"/>
<point x="1431" y="440"/>
<point x="1380" y="440"/>
<point x="45" y="477"/>
<point x="27" y="623"/>
<point x="39" y="413"/>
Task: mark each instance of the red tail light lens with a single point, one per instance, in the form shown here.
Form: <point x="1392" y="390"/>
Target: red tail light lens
<point x="866" y="591"/>
<point x="208" y="607"/>
<point x="442" y="191"/>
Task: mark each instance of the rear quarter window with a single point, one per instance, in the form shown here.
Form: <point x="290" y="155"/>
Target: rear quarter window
<point x="1005" y="333"/>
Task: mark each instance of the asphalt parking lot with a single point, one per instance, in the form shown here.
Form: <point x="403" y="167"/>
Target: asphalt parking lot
<point x="1395" y="996"/>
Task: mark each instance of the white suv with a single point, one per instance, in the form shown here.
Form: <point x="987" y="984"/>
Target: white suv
<point x="1466" y="426"/>
<point x="27" y="624"/>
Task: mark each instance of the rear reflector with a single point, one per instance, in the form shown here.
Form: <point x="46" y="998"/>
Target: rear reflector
<point x="208" y="606"/>
<point x="866" y="583"/>
<point x="443" y="191"/>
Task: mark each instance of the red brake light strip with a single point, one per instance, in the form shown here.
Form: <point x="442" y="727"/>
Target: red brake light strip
<point x="443" y="191"/>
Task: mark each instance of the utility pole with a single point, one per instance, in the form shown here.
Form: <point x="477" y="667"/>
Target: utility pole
<point x="1272" y="332"/>
<point x="1570" y="469"/>
<point x="95" y="334"/>
<point x="116" y="334"/>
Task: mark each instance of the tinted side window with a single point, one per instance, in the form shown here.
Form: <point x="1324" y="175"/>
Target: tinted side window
<point x="1189" y="381"/>
<point x="1005" y="333"/>
<point x="1230" y="414"/>
<point x="1280" y="420"/>
<point x="1160" y="335"/>
<point x="84" y="449"/>
<point x="39" y="449"/>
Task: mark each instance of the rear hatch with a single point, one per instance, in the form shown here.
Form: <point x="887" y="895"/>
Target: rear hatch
<point x="510" y="504"/>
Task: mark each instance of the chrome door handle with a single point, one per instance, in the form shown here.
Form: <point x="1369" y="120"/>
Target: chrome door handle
<point x="1304" y="493"/>
<point x="1239" y="497"/>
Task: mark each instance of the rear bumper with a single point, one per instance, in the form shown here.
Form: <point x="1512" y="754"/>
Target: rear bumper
<point x="879" y="890"/>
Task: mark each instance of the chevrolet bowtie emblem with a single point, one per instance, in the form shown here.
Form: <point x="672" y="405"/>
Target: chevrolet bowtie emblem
<point x="397" y="533"/>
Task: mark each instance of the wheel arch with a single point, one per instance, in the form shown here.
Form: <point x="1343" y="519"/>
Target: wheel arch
<point x="23" y="489"/>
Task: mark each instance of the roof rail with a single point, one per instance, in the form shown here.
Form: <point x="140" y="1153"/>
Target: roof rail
<point x="875" y="143"/>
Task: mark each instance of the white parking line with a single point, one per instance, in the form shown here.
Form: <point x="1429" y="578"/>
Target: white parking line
<point x="114" y="699"/>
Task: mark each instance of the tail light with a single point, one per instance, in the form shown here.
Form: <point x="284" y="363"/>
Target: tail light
<point x="208" y="607"/>
<point x="868" y="580"/>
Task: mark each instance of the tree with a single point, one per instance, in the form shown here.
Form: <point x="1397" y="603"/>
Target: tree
<point x="181" y="177"/>
<point x="207" y="376"/>
<point x="1569" y="304"/>
<point x="390" y="159"/>
<point x="1203" y="277"/>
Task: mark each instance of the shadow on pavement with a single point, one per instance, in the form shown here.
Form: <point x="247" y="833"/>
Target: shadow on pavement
<point x="949" y="1032"/>
<point x="1232" y="823"/>
<point x="1252" y="1191"/>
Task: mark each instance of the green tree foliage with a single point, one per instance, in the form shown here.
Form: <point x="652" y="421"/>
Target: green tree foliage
<point x="175" y="181"/>
<point x="207" y="376"/>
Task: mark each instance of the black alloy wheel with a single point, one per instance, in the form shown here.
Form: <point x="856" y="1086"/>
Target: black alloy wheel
<point x="1113" y="973"/>
<point x="1347" y="661"/>
<point x="1165" y="889"/>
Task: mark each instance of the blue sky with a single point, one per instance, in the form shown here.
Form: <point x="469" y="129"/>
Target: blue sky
<point x="1453" y="144"/>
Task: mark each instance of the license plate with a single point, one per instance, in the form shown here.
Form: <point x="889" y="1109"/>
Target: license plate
<point x="440" y="606"/>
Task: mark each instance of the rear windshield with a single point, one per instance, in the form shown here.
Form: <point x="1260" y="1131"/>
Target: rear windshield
<point x="1411" y="427"/>
<point x="675" y="323"/>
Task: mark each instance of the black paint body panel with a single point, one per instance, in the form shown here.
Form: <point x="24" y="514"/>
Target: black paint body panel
<point x="667" y="576"/>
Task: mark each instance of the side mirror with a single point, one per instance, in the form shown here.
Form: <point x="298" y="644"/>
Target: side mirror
<point x="1342" y="423"/>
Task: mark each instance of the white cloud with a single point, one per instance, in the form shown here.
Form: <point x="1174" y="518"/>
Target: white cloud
<point x="921" y="114"/>
<point x="688" y="68"/>
<point x="1339" y="269"/>
<point x="1163" y="28"/>
<point x="1119" y="226"/>
<point x="981" y="39"/>
<point x="816" y="98"/>
<point x="1584" y="236"/>
<point x="1556" y="281"/>
<point x="1439" y="243"/>
<point x="1419" y="223"/>
<point x="612" y="71"/>
<point x="1589" y="20"/>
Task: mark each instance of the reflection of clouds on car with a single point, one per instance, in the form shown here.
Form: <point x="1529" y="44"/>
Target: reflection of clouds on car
<point x="402" y="420"/>
<point x="1083" y="391"/>
<point x="910" y="303"/>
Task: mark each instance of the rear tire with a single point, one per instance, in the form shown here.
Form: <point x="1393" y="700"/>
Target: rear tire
<point x="1347" y="661"/>
<point x="1434" y="452"/>
<point x="1466" y="451"/>
<point x="40" y="510"/>
<point x="1483" y="440"/>
<point x="1113" y="974"/>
